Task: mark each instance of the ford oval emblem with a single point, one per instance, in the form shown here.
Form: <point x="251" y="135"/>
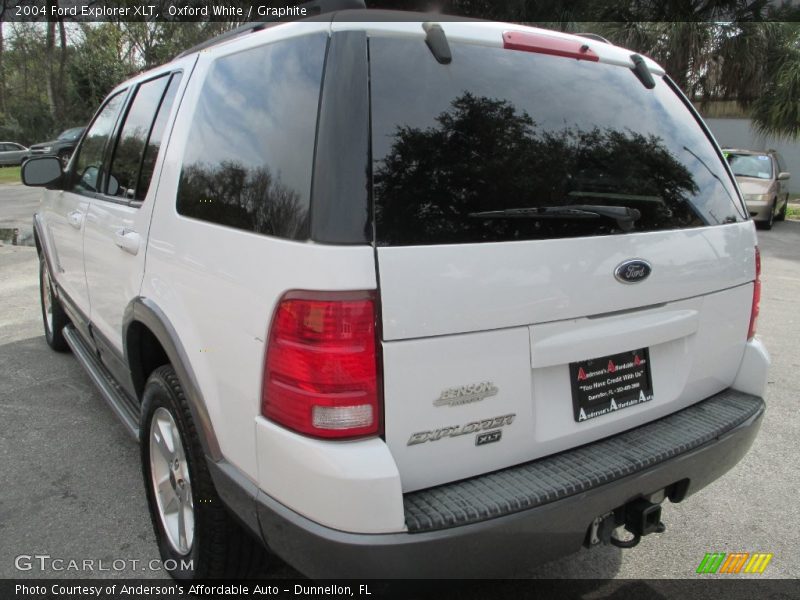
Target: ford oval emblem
<point x="633" y="271"/>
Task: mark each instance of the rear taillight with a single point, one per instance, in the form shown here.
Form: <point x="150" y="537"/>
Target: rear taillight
<point x="321" y="367"/>
<point x="756" y="298"/>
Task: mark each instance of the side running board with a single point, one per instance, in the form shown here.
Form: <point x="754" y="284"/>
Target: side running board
<point x="119" y="401"/>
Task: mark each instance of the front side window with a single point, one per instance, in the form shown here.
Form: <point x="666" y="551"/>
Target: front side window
<point x="248" y="159"/>
<point x="88" y="163"/>
<point x="502" y="145"/>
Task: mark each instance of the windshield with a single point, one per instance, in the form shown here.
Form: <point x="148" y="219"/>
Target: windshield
<point x="750" y="165"/>
<point x="499" y="129"/>
<point x="71" y="134"/>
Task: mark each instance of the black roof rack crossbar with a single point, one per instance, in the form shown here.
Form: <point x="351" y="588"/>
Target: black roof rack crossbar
<point x="312" y="9"/>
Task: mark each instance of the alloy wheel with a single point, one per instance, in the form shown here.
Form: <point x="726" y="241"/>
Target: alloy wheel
<point x="172" y="485"/>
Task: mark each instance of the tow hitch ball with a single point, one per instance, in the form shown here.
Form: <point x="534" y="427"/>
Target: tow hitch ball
<point x="639" y="517"/>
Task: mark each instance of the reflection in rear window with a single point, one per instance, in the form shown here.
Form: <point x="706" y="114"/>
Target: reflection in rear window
<point x="498" y="130"/>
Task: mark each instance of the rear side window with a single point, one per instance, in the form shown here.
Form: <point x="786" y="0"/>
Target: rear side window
<point x="249" y="155"/>
<point x="497" y="130"/>
<point x="156" y="137"/>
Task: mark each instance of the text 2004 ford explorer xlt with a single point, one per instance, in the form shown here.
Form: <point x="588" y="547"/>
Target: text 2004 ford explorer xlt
<point x="405" y="298"/>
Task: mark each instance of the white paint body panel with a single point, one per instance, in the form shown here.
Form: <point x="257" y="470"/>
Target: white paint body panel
<point x="64" y="215"/>
<point x="437" y="290"/>
<point x="518" y="313"/>
<point x="114" y="275"/>
<point x="752" y="375"/>
<point x="349" y="486"/>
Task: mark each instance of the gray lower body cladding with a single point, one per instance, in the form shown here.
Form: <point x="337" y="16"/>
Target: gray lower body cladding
<point x="496" y="524"/>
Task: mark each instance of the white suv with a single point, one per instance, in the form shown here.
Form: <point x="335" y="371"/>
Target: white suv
<point x="406" y="298"/>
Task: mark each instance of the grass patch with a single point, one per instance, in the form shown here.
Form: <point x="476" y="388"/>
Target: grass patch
<point x="9" y="175"/>
<point x="793" y="211"/>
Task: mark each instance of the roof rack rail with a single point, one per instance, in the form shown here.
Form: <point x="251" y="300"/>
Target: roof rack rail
<point x="595" y="37"/>
<point x="312" y="9"/>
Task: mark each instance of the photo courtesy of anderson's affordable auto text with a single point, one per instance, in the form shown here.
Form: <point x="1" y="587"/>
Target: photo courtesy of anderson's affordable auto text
<point x="357" y="300"/>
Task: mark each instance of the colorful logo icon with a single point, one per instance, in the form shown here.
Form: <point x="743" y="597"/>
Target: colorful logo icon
<point x="734" y="562"/>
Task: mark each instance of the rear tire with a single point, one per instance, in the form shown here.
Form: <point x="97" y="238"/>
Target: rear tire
<point x="53" y="316"/>
<point x="192" y="526"/>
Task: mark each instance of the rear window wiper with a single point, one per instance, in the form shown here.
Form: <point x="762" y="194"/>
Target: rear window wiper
<point x="623" y="215"/>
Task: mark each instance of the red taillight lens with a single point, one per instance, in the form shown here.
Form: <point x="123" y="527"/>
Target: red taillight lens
<point x="321" y="371"/>
<point x="547" y="44"/>
<point x="756" y="298"/>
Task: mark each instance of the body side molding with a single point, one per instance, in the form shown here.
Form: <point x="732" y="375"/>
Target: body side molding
<point x="145" y="311"/>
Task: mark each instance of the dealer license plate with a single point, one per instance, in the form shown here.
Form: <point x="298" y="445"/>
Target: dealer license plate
<point x="604" y="385"/>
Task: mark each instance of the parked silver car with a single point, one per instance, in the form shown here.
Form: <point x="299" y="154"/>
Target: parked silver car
<point x="762" y="177"/>
<point x="12" y="153"/>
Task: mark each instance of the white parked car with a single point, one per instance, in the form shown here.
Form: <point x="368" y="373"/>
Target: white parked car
<point x="403" y="298"/>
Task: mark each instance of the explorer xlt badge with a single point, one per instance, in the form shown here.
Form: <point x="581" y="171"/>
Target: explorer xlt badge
<point x="456" y="430"/>
<point x="633" y="271"/>
<point x="466" y="394"/>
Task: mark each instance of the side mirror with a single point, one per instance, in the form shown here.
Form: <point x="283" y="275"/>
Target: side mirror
<point x="42" y="171"/>
<point x="783" y="176"/>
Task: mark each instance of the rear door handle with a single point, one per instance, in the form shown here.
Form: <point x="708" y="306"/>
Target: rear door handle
<point x="128" y="240"/>
<point x="75" y="219"/>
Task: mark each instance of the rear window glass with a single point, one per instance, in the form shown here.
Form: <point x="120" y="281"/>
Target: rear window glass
<point x="498" y="130"/>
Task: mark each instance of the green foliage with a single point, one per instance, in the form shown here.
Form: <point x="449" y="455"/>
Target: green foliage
<point x="756" y="64"/>
<point x="97" y="57"/>
<point x="777" y="110"/>
<point x="26" y="116"/>
<point x="9" y="175"/>
<point x="104" y="63"/>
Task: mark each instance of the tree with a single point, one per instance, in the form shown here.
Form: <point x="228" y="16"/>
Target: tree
<point x="101" y="64"/>
<point x="739" y="50"/>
